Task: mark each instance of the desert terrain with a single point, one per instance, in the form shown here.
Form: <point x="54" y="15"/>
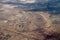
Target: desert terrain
<point x="17" y="24"/>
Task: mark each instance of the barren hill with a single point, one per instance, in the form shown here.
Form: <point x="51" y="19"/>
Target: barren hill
<point x="16" y="24"/>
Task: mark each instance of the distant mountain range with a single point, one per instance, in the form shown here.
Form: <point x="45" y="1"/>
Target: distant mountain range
<point x="52" y="5"/>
